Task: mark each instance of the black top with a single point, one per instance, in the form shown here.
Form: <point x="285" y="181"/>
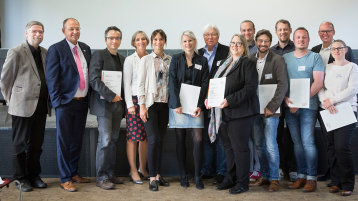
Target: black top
<point x="36" y="53"/>
<point x="188" y="74"/>
<point x="290" y="47"/>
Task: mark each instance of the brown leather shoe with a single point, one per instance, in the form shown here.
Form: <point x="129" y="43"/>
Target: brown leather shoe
<point x="310" y="186"/>
<point x="260" y="182"/>
<point x="78" y="179"/>
<point x="297" y="184"/>
<point x="274" y="186"/>
<point x="334" y="189"/>
<point x="68" y="186"/>
<point x="346" y="193"/>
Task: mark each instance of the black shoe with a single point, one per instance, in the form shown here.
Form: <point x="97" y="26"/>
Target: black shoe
<point x="219" y="179"/>
<point x="135" y="181"/>
<point x="199" y="183"/>
<point x="38" y="183"/>
<point x="238" y="189"/>
<point x="184" y="182"/>
<point x="25" y="185"/>
<point x="162" y="182"/>
<point x="153" y="186"/>
<point x="142" y="175"/>
<point x="226" y="184"/>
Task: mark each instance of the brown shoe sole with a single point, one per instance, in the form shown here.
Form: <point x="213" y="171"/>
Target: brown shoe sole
<point x="68" y="189"/>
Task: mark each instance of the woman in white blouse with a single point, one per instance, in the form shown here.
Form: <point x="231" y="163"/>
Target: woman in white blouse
<point x="153" y="75"/>
<point x="340" y="86"/>
<point x="135" y="127"/>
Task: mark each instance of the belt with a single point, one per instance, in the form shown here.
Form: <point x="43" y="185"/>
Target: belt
<point x="78" y="98"/>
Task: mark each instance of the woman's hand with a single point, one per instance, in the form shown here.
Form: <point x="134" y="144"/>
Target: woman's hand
<point x="178" y="110"/>
<point x="144" y="113"/>
<point x="206" y="104"/>
<point x="131" y="110"/>
<point x="224" y="104"/>
<point x="332" y="109"/>
<point x="326" y="104"/>
<point x="196" y="112"/>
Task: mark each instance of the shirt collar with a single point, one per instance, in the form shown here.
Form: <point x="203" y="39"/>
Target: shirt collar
<point x="322" y="48"/>
<point x="264" y="59"/>
<point x="71" y="45"/>
<point x="290" y="43"/>
<point x="214" y="49"/>
<point x="165" y="57"/>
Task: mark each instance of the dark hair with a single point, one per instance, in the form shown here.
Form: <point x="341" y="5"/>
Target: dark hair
<point x="160" y="32"/>
<point x="340" y="41"/>
<point x="283" y="22"/>
<point x="112" y="28"/>
<point x="70" y="18"/>
<point x="263" y="32"/>
<point x="253" y="25"/>
<point x="303" y="29"/>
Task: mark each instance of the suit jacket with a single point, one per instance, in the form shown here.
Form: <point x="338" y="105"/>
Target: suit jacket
<point x="61" y="72"/>
<point x="200" y="78"/>
<point x="274" y="72"/>
<point x="240" y="90"/>
<point x="349" y="54"/>
<point x="222" y="53"/>
<point x="102" y="60"/>
<point x="20" y="81"/>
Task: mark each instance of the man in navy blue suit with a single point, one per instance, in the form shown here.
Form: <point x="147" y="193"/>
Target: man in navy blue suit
<point x="67" y="80"/>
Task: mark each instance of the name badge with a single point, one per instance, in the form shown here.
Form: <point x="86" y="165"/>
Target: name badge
<point x="218" y="63"/>
<point x="301" y="68"/>
<point x="268" y="76"/>
<point x="197" y="66"/>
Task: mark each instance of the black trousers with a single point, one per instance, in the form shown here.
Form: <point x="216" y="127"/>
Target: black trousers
<point x="340" y="157"/>
<point x="235" y="135"/>
<point x="321" y="142"/>
<point x="155" y="128"/>
<point x="27" y="140"/>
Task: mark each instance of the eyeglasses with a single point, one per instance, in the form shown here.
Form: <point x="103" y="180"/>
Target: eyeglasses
<point x="35" y="32"/>
<point x="113" y="38"/>
<point x="210" y="34"/>
<point x="263" y="41"/>
<point x="237" y="44"/>
<point x="325" y="31"/>
<point x="333" y="49"/>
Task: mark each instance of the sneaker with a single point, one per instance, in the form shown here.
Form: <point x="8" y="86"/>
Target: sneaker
<point x="254" y="176"/>
<point x="105" y="184"/>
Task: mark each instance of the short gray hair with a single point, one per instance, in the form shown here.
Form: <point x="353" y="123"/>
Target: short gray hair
<point x="191" y="35"/>
<point x="211" y="26"/>
<point x="32" y="23"/>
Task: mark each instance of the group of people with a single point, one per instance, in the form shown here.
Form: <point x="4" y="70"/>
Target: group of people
<point x="233" y="142"/>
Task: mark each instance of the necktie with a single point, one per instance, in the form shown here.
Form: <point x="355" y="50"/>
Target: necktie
<point x="79" y="68"/>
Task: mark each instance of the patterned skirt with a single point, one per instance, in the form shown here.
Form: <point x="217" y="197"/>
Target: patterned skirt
<point x="135" y="127"/>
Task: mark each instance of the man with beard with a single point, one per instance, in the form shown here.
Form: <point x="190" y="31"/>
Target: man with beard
<point x="23" y="86"/>
<point x="283" y="32"/>
<point x="271" y="69"/>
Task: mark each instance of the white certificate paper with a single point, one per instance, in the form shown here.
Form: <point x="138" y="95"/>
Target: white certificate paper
<point x="216" y="91"/>
<point x="343" y="117"/>
<point x="300" y="93"/>
<point x="266" y="93"/>
<point x="189" y="96"/>
<point x="113" y="80"/>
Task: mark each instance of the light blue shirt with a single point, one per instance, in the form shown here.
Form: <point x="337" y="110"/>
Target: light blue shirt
<point x="303" y="68"/>
<point x="211" y="56"/>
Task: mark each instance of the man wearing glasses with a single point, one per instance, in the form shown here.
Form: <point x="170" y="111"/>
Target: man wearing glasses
<point x="108" y="106"/>
<point x="215" y="53"/>
<point x="326" y="32"/>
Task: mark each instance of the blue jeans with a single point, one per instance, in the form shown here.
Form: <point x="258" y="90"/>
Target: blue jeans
<point x="264" y="135"/>
<point x="301" y="125"/>
<point x="210" y="150"/>
<point x="108" y="134"/>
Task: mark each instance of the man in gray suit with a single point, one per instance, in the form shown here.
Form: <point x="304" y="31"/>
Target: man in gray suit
<point x="108" y="106"/>
<point x="271" y="69"/>
<point x="23" y="86"/>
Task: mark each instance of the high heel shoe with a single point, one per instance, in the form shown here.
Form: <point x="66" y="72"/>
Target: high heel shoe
<point x="184" y="182"/>
<point x="135" y="181"/>
<point x="142" y="175"/>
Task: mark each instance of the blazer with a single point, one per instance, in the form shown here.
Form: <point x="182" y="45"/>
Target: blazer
<point x="200" y="78"/>
<point x="349" y="54"/>
<point x="274" y="72"/>
<point x="240" y="90"/>
<point x="102" y="60"/>
<point x="222" y="53"/>
<point x="20" y="81"/>
<point x="61" y="72"/>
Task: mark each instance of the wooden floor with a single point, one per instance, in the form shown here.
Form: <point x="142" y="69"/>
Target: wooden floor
<point x="130" y="191"/>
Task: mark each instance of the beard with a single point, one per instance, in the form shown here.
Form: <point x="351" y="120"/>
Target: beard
<point x="263" y="51"/>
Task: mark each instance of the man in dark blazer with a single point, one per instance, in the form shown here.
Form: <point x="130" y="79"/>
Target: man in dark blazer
<point x="108" y="106"/>
<point x="216" y="53"/>
<point x="271" y="69"/>
<point x="67" y="80"/>
<point x="326" y="32"/>
<point x="23" y="86"/>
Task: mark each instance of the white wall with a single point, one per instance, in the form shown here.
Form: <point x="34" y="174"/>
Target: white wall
<point x="173" y="17"/>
